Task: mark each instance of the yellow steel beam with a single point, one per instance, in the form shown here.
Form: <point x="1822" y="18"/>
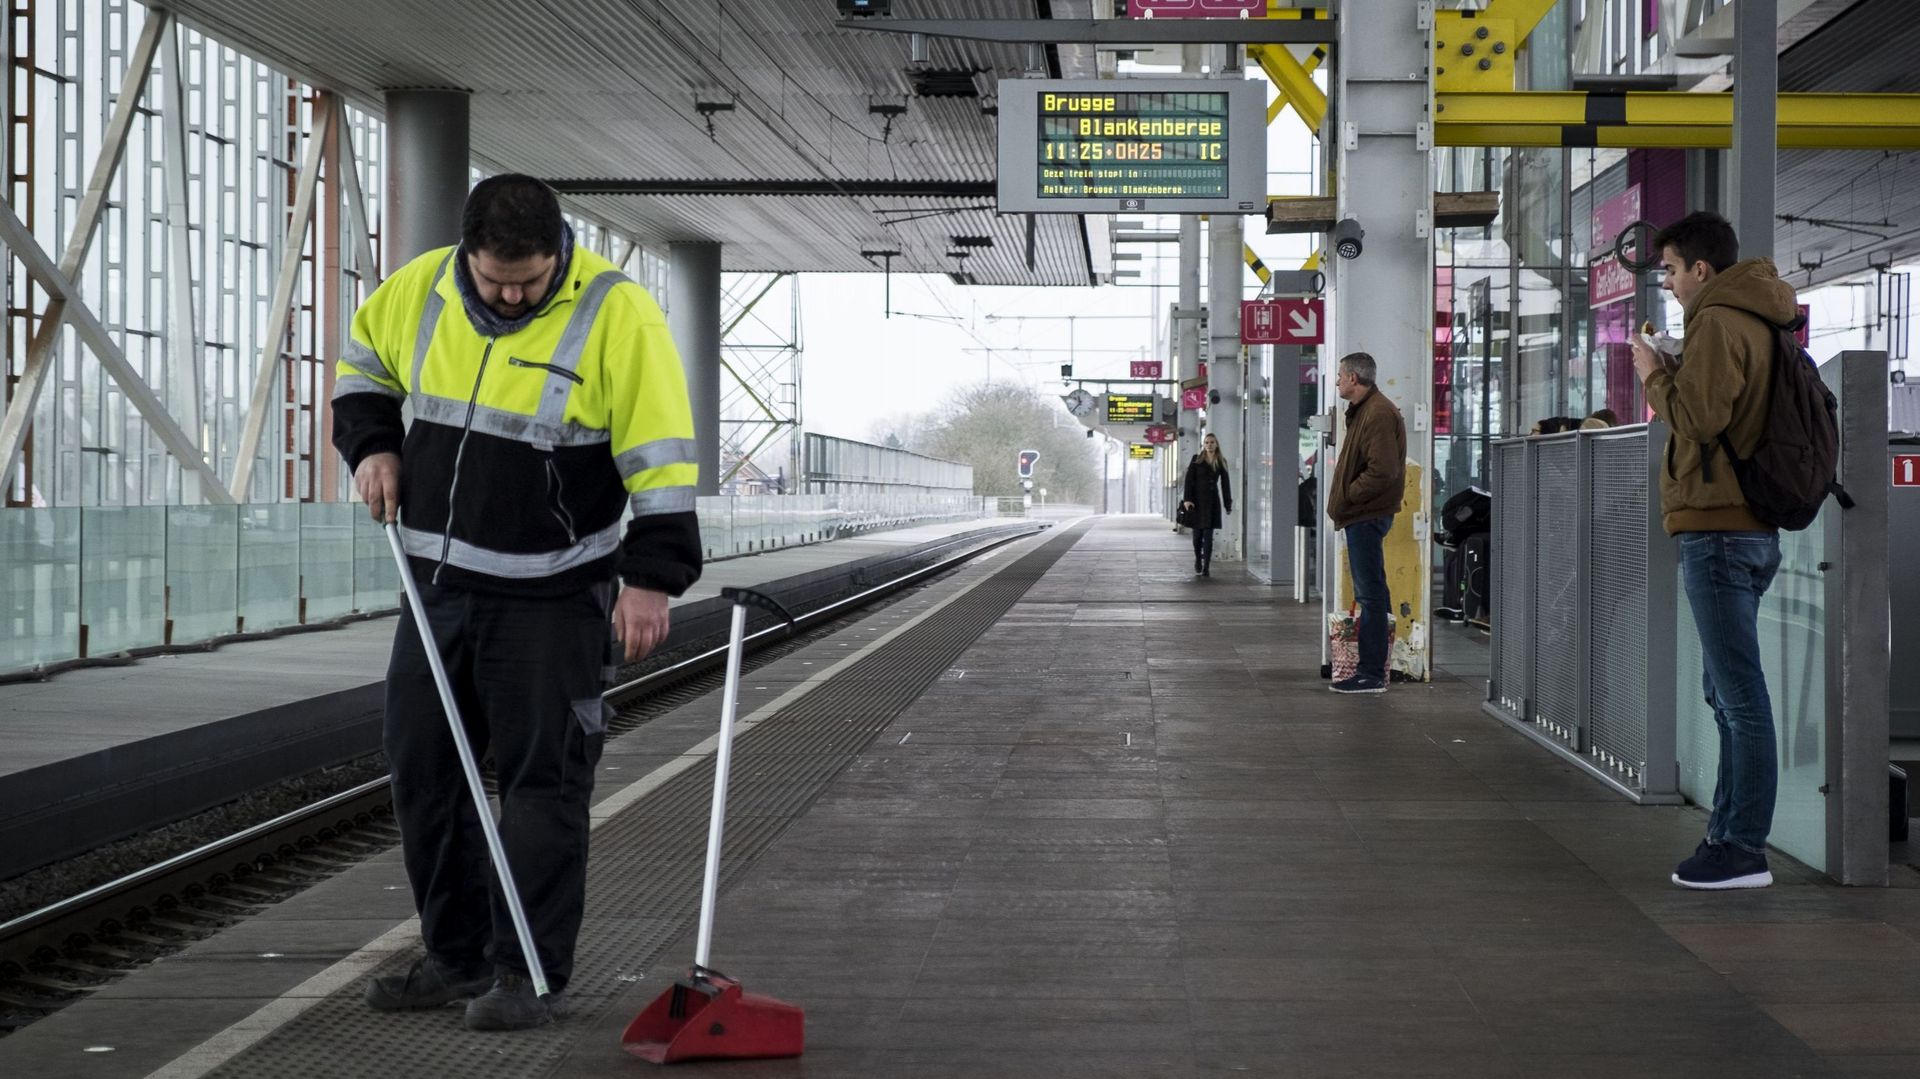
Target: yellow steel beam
<point x="1524" y="14"/>
<point x="1294" y="81"/>
<point x="1550" y="118"/>
<point x="1253" y="262"/>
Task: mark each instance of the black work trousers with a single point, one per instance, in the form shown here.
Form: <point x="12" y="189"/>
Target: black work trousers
<point x="527" y="675"/>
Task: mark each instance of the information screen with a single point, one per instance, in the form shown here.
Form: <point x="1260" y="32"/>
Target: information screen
<point x="1127" y="408"/>
<point x="1129" y="144"/>
<point x="1170" y="145"/>
<point x="1140" y="451"/>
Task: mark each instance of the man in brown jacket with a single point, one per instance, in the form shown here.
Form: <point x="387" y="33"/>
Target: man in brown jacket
<point x="1362" y="499"/>
<point x="1727" y="556"/>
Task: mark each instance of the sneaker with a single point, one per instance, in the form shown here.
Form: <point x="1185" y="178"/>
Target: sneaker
<point x="512" y="1005"/>
<point x="1722" y="866"/>
<point x="426" y="984"/>
<point x="1359" y="684"/>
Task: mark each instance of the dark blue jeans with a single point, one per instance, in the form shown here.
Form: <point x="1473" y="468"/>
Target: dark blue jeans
<point x="1726" y="574"/>
<point x="1368" y="562"/>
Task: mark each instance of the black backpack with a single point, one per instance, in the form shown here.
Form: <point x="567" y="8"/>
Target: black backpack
<point x="1791" y="470"/>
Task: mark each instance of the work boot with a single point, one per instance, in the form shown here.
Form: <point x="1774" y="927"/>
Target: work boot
<point x="426" y="984"/>
<point x="512" y="1005"/>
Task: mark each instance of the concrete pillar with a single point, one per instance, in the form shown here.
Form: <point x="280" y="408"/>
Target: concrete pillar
<point x="427" y="165"/>
<point x="1186" y="327"/>
<point x="1756" y="82"/>
<point x="1227" y="419"/>
<point x="693" y="295"/>
<point x="1383" y="300"/>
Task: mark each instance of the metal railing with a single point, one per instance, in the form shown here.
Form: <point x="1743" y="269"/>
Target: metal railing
<point x="1583" y="647"/>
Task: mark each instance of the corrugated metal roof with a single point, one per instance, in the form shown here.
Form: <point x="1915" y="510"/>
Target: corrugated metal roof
<point x="609" y="88"/>
<point x="1868" y="48"/>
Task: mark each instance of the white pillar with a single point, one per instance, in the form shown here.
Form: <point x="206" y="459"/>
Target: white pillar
<point x="1383" y="300"/>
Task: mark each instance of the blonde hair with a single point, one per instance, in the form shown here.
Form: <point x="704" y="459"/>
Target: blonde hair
<point x="1212" y="456"/>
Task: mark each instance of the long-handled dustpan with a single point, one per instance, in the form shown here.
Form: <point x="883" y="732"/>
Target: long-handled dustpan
<point x="535" y="971"/>
<point x="706" y="1014"/>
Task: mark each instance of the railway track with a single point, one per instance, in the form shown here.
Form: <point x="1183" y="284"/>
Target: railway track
<point x="58" y="954"/>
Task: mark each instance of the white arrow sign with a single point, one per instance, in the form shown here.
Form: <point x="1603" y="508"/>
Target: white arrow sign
<point x="1300" y="321"/>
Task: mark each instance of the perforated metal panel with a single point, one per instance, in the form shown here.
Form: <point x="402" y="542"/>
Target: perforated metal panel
<point x="1616" y="603"/>
<point x="1512" y="577"/>
<point x="1556" y="600"/>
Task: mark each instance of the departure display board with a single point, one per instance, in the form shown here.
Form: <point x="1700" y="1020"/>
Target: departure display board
<point x="1129" y="408"/>
<point x="1140" y="451"/>
<point x="1137" y="144"/>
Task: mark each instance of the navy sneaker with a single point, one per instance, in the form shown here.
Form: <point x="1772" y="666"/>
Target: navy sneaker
<point x="1722" y="866"/>
<point x="426" y="984"/>
<point x="1359" y="684"/>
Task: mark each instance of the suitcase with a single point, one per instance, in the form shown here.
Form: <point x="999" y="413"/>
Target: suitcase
<point x="1475" y="554"/>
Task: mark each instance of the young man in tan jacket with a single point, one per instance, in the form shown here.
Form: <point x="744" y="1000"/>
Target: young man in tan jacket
<point x="1362" y="499"/>
<point x="1727" y="556"/>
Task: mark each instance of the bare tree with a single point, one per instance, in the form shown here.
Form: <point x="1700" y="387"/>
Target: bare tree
<point x="986" y="425"/>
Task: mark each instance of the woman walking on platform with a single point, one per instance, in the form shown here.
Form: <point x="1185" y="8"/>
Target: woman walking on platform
<point x="1208" y="491"/>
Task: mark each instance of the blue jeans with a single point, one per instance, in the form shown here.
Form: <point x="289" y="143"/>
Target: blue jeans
<point x="1726" y="574"/>
<point x="1369" y="566"/>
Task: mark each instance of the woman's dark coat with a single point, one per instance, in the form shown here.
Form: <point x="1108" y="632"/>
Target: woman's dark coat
<point x="1208" y="491"/>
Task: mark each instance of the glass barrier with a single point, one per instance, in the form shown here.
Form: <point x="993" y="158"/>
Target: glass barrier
<point x="76" y="583"/>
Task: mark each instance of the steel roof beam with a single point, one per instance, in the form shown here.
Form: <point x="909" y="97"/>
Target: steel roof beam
<point x="931" y="189"/>
<point x="1113" y="32"/>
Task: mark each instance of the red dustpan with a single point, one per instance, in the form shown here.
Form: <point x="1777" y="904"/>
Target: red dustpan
<point x="706" y="1015"/>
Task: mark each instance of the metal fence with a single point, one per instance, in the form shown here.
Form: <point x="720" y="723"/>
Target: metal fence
<point x="1583" y="647"/>
<point x="841" y="466"/>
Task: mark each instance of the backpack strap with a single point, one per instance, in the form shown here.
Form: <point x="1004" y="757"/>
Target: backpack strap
<point x="1840" y="495"/>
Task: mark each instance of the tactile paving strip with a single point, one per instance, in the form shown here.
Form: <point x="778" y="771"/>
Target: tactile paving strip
<point x="643" y="886"/>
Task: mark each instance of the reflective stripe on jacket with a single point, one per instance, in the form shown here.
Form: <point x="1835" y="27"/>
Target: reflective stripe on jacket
<point x="526" y="449"/>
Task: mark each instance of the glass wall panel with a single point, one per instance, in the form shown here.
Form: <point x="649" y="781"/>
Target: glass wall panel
<point x="1793" y="653"/>
<point x="203" y="586"/>
<point x="269" y="566"/>
<point x="376" y="581"/>
<point x="39" y="586"/>
<point x="327" y="559"/>
<point x="123" y="553"/>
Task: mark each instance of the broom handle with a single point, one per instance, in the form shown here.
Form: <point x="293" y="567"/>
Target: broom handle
<point x="722" y="766"/>
<point x="527" y="951"/>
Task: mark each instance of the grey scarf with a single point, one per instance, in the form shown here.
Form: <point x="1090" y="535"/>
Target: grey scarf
<point x="486" y="321"/>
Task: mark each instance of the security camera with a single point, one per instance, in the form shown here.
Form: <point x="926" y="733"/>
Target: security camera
<point x="1346" y="237"/>
<point x="857" y="8"/>
<point x="1213" y="397"/>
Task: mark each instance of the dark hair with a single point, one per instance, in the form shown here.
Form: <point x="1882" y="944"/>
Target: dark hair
<point x="1607" y="417"/>
<point x="512" y="217"/>
<point x="1361" y="366"/>
<point x="1554" y="425"/>
<point x="1701" y="236"/>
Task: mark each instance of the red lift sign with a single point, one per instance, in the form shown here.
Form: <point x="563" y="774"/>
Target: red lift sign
<point x="1906" y="470"/>
<point x="1283" y="322"/>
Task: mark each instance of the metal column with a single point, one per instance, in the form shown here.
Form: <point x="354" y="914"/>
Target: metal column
<point x="1756" y="81"/>
<point x="1186" y="328"/>
<point x="1383" y="300"/>
<point x="1227" y="418"/>
<point x="1859" y="649"/>
<point x="428" y="163"/>
<point x="694" y="318"/>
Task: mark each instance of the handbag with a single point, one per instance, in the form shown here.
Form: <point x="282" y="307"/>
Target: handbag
<point x="1184" y="515"/>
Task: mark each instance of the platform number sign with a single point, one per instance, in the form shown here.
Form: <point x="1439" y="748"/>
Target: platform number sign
<point x="1906" y="470"/>
<point x="1027" y="458"/>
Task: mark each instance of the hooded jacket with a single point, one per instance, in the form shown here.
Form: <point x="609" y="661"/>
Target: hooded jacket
<point x="1721" y="385"/>
<point x="1370" y="477"/>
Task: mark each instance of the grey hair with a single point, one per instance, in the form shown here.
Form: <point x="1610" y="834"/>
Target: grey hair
<point x="1361" y="366"/>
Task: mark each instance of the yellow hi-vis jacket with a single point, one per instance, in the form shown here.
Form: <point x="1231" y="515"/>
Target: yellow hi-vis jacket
<point x="525" y="450"/>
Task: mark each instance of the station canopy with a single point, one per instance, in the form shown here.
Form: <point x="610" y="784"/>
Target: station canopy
<point x="835" y="142"/>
